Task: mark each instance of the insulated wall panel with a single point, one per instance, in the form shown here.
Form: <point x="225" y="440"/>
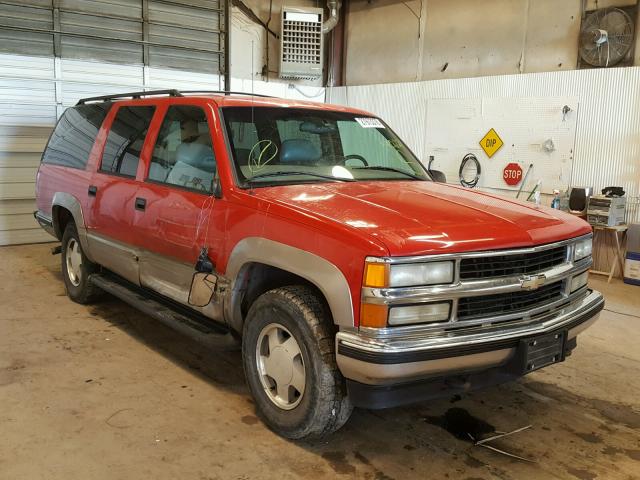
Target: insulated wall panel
<point x="607" y="145"/>
<point x="187" y="35"/>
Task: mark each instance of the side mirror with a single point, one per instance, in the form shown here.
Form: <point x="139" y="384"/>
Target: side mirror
<point x="438" y="176"/>
<point x="202" y="287"/>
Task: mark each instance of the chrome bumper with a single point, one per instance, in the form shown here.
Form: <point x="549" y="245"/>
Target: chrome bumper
<point x="365" y="358"/>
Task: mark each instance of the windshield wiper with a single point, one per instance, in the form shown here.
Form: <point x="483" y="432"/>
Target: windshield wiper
<point x="389" y="169"/>
<point x="284" y="173"/>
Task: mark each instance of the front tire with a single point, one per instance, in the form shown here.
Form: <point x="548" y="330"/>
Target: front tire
<point x="76" y="268"/>
<point x="290" y="366"/>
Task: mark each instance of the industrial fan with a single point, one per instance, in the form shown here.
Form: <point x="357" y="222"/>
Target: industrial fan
<point x="606" y="37"/>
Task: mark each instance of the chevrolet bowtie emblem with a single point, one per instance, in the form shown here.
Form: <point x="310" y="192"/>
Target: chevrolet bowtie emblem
<point x="532" y="282"/>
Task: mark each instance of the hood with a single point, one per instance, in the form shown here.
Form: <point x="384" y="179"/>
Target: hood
<point x="413" y="218"/>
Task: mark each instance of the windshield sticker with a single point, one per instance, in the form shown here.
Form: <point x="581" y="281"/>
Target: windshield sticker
<point x="261" y="154"/>
<point x="368" y="122"/>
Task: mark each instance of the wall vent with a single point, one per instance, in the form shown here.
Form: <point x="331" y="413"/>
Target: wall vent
<point x="301" y="43"/>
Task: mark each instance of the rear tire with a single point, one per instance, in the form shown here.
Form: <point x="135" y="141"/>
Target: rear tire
<point x="76" y="268"/>
<point x="290" y="365"/>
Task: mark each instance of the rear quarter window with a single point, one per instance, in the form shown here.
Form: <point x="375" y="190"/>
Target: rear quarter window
<point x="74" y="135"/>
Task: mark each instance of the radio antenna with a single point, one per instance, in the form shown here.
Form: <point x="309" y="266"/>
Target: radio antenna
<point x="252" y="80"/>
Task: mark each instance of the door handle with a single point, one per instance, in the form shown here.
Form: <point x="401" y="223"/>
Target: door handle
<point x="92" y="190"/>
<point x="141" y="203"/>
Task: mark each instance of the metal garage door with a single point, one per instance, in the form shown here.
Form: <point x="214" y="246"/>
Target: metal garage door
<point x="53" y="52"/>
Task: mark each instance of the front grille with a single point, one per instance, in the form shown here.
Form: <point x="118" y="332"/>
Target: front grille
<point x="506" y="303"/>
<point x="507" y="265"/>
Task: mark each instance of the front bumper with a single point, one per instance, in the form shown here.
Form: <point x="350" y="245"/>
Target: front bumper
<point x="390" y="361"/>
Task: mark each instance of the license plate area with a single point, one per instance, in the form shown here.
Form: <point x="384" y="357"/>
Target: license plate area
<point x="538" y="352"/>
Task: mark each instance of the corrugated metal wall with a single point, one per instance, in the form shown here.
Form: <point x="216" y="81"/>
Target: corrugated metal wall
<point x="53" y="52"/>
<point x="34" y="91"/>
<point x="187" y="34"/>
<point x="607" y="150"/>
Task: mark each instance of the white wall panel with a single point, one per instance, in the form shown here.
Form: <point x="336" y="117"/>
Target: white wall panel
<point x="16" y="159"/>
<point x="31" y="235"/>
<point x="169" y="78"/>
<point x="37" y="115"/>
<point x="17" y="191"/>
<point x="456" y="126"/>
<point x="17" y="174"/>
<point x="26" y="91"/>
<point x="607" y="149"/>
<point x="279" y="89"/>
<point x="27" y="67"/>
<point x="17" y="207"/>
<point x="100" y="73"/>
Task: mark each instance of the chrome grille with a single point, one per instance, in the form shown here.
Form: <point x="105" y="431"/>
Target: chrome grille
<point x="514" y="264"/>
<point x="506" y="303"/>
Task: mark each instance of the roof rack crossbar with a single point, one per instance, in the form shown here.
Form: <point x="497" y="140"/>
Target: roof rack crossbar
<point x="106" y="98"/>
<point x="227" y="92"/>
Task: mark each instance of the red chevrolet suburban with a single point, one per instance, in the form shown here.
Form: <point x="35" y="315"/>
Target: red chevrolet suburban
<point x="310" y="235"/>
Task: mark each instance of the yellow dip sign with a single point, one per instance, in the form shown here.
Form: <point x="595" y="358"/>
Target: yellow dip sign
<point x="491" y="143"/>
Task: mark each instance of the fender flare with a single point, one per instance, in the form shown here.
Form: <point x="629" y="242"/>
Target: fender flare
<point x="72" y="204"/>
<point x="317" y="270"/>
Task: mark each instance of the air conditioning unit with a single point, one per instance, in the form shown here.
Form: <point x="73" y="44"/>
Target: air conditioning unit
<point x="301" y="43"/>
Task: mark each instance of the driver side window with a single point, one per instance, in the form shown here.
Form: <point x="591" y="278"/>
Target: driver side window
<point x="183" y="155"/>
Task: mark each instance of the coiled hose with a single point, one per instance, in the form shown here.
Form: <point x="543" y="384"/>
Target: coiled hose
<point x="469" y="157"/>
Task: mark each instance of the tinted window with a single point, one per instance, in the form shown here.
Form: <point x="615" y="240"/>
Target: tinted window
<point x="126" y="138"/>
<point x="74" y="135"/>
<point x="183" y="155"/>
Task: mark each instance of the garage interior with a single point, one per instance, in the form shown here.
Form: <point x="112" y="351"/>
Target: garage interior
<point x="102" y="391"/>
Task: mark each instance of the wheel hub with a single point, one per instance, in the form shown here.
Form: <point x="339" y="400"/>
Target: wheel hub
<point x="280" y="366"/>
<point x="73" y="258"/>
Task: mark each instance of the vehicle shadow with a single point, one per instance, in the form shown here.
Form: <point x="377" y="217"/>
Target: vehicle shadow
<point x="221" y="368"/>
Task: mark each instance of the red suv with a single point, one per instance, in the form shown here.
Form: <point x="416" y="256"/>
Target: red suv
<point x="312" y="236"/>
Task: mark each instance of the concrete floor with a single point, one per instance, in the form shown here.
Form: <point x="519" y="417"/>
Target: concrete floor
<point x="103" y="392"/>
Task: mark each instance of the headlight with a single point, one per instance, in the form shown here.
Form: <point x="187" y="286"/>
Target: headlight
<point x="416" y="274"/>
<point x="579" y="281"/>
<point x="582" y="249"/>
<point x="428" y="312"/>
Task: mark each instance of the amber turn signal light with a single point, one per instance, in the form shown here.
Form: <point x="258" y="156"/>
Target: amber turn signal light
<point x="372" y="315"/>
<point x="376" y="275"/>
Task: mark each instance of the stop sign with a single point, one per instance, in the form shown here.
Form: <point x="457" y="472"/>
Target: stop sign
<point x="512" y="174"/>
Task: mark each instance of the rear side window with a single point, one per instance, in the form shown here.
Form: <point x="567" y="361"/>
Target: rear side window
<point x="183" y="155"/>
<point x="74" y="135"/>
<point x="125" y="140"/>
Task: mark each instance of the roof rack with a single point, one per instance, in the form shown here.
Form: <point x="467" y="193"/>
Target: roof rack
<point x="227" y="92"/>
<point x="106" y="98"/>
<point x="171" y="93"/>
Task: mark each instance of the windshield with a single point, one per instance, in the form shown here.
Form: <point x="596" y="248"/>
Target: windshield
<point x="290" y="145"/>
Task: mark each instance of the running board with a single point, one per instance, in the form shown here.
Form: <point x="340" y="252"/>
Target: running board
<point x="174" y="316"/>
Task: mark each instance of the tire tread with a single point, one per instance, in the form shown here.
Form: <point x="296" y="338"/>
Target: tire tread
<point x="317" y="317"/>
